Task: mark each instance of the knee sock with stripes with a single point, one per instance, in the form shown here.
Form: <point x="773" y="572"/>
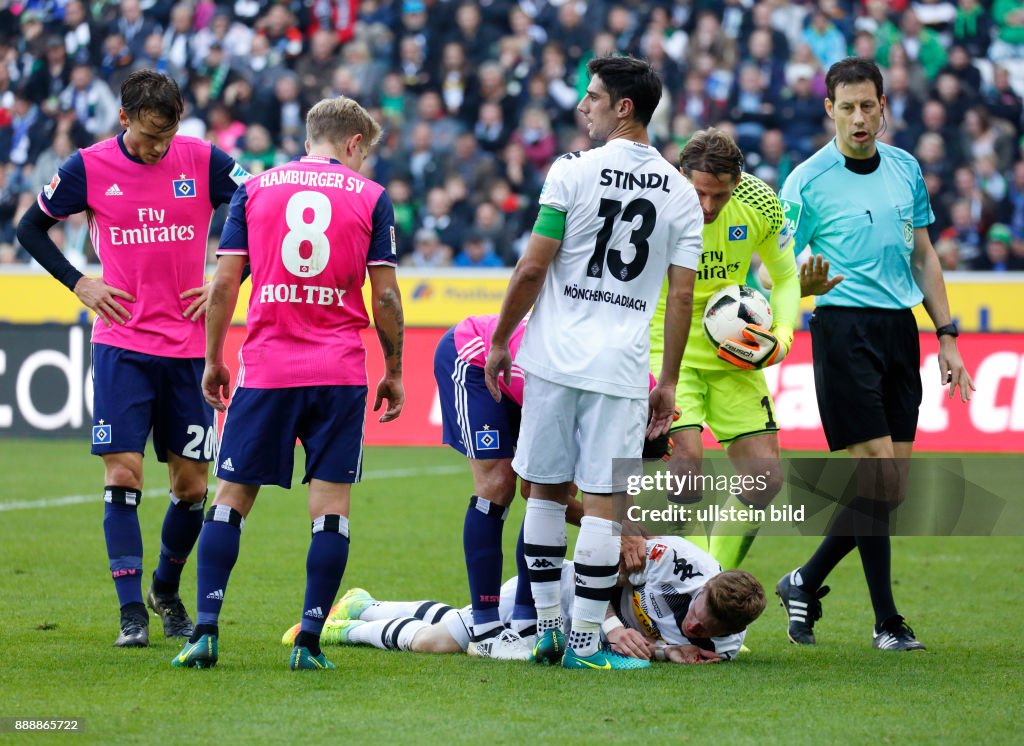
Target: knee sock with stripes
<point x="544" y="549"/>
<point x="596" y="562"/>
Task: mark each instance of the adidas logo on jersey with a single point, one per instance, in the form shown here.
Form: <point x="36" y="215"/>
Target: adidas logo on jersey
<point x="114" y="191"/>
<point x="227" y="465"/>
<point x="217" y="595"/>
<point x="316" y="613"/>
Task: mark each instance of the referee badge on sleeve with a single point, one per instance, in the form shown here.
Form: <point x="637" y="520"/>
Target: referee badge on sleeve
<point x="487" y="440"/>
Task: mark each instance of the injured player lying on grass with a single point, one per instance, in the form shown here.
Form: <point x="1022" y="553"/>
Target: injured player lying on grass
<point x="680" y="607"/>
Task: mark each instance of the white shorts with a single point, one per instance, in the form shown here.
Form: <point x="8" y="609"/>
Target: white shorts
<point x="569" y="434"/>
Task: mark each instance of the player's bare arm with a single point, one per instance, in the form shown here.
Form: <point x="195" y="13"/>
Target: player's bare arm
<point x="223" y="297"/>
<point x="678" y="311"/>
<point x="523" y="289"/>
<point x="389" y="321"/>
<point x="924" y="264"/>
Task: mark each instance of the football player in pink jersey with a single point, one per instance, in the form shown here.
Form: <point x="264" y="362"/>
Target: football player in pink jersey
<point x="149" y="196"/>
<point x="310" y="231"/>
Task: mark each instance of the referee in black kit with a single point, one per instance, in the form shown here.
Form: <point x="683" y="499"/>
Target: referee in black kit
<point x="863" y="206"/>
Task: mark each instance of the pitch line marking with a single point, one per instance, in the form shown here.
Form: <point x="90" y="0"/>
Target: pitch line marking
<point x="56" y="502"/>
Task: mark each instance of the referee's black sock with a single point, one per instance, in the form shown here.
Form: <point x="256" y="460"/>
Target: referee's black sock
<point x="875" y="549"/>
<point x="838" y="542"/>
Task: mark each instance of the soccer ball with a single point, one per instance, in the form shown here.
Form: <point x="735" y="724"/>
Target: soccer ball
<point x="729" y="311"/>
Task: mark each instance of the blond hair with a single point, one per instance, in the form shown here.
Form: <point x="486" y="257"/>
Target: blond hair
<point x="735" y="598"/>
<point x="335" y="120"/>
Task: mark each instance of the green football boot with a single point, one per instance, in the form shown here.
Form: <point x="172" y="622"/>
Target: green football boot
<point x="199" y="654"/>
<point x="549" y="647"/>
<point x="302" y="660"/>
<point x="603" y="659"/>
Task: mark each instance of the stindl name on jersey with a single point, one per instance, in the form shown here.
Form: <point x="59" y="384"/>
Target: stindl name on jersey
<point x="315" y="294"/>
<point x="629" y="180"/>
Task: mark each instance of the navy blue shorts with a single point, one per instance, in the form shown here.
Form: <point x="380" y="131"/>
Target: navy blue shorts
<point x="867" y="374"/>
<point x="474" y="424"/>
<point x="258" y="442"/>
<point x="134" y="393"/>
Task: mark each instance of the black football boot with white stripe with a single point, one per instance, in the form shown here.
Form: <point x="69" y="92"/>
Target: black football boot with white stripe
<point x="802" y="607"/>
<point x="895" y="634"/>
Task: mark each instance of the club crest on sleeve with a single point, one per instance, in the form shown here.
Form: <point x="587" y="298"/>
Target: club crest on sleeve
<point x="487" y="440"/>
<point x="50" y="188"/>
<point x="184" y="188"/>
<point x="100" y="434"/>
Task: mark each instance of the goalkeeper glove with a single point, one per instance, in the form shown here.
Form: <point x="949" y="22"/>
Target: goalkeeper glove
<point x="758" y="348"/>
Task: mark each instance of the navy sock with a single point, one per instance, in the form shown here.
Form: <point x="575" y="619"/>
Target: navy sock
<point x="524" y="614"/>
<point x="182" y="524"/>
<point x="217" y="553"/>
<point x="325" y="566"/>
<point x="481" y="542"/>
<point x="124" y="541"/>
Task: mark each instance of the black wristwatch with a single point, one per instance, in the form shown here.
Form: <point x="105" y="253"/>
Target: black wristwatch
<point x="948" y="329"/>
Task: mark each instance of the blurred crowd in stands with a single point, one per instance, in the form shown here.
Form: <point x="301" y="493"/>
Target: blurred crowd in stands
<point x="478" y="97"/>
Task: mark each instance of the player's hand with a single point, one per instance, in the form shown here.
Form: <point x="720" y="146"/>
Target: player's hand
<point x="758" y="348"/>
<point x="197" y="307"/>
<point x="814" y="277"/>
<point x="100" y="298"/>
<point x="633" y="549"/>
<point x="498" y="365"/>
<point x="661" y="446"/>
<point x="217" y="385"/>
<point x="392" y="390"/>
<point x="626" y="641"/>
<point x="661" y="407"/>
<point x="690" y="654"/>
<point x="952" y="369"/>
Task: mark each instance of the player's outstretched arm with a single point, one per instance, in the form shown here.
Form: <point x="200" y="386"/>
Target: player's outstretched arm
<point x="924" y="264"/>
<point x="521" y="294"/>
<point x="223" y="298"/>
<point x="389" y="320"/>
<point x="94" y="294"/>
<point x="678" y="311"/>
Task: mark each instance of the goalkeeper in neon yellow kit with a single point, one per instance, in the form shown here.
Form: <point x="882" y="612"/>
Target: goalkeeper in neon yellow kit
<point x="716" y="386"/>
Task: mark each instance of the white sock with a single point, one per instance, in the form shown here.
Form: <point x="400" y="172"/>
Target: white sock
<point x="388" y="634"/>
<point x="428" y="611"/>
<point x="544" y="546"/>
<point x="596" y="561"/>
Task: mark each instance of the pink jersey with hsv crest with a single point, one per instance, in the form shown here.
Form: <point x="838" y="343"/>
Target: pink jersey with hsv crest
<point x="473" y="342"/>
<point x="149" y="225"/>
<point x="309" y="229"/>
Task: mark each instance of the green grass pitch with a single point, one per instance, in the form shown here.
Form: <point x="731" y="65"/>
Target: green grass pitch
<point x="59" y="618"/>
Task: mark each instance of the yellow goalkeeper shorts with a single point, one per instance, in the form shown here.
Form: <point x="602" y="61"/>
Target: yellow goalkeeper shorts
<point x="734" y="404"/>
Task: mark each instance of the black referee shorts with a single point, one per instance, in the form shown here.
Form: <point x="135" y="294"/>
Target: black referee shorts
<point x="866" y="373"/>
